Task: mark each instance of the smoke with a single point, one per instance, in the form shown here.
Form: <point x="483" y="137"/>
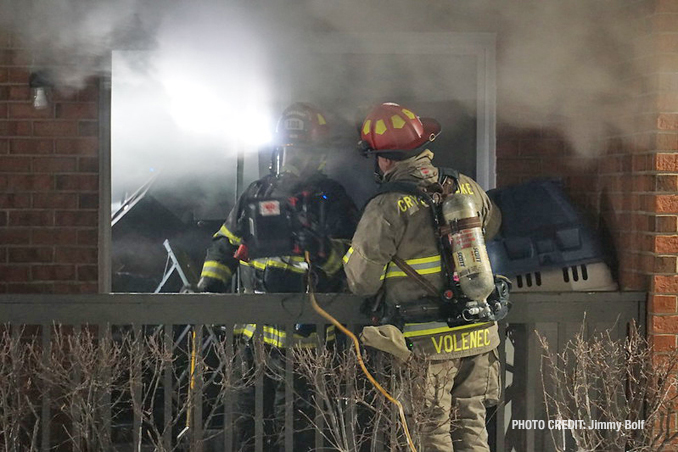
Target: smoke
<point x="214" y="74"/>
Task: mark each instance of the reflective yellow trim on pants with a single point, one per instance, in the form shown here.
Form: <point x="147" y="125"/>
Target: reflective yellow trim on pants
<point x="429" y="328"/>
<point x="278" y="338"/>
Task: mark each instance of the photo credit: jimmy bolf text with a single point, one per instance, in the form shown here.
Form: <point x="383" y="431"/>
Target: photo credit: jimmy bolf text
<point x="578" y="424"/>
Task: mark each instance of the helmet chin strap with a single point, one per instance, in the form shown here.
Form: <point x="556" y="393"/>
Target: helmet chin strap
<point x="378" y="175"/>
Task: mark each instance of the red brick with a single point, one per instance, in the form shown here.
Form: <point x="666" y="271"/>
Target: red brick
<point x="668" y="182"/>
<point x="666" y="204"/>
<point x="663" y="342"/>
<point x="75" y="288"/>
<point x="30" y="254"/>
<point x="665" y="22"/>
<point x="15" y="164"/>
<point x="15" y="128"/>
<point x="4" y="75"/>
<point x="14" y="200"/>
<point x="663" y="304"/>
<point x="520" y="166"/>
<point x="88" y="237"/>
<point x="18" y="75"/>
<point x="76" y="255"/>
<point x="28" y="288"/>
<point x="632" y="280"/>
<point x="30" y="182"/>
<point x="668" y="101"/>
<point x="667" y="121"/>
<point x="666" y="244"/>
<point x="88" y="201"/>
<point x="89" y="93"/>
<point x="55" y="200"/>
<point x="77" y="182"/>
<point x="31" y="146"/>
<point x="4" y="146"/>
<point x="14" y="273"/>
<point x="666" y="6"/>
<point x="4" y="110"/>
<point x="666" y="223"/>
<point x="664" y="324"/>
<point x="507" y="147"/>
<point x="19" y="93"/>
<point x="88" y="273"/>
<point x="15" y="236"/>
<point x="667" y="162"/>
<point x="54" y="164"/>
<point x="666" y="264"/>
<point x="53" y="272"/>
<point x="541" y="147"/>
<point x="665" y="284"/>
<point x="71" y="218"/>
<point x="27" y="111"/>
<point x="77" y="110"/>
<point x="79" y="146"/>
<point x="667" y="141"/>
<point x="3" y="220"/>
<point x="54" y="236"/>
<point x="55" y="128"/>
<point x="88" y="129"/>
<point x="88" y="164"/>
<point x="31" y="218"/>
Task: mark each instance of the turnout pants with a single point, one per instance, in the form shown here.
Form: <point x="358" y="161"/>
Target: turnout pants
<point x="464" y="386"/>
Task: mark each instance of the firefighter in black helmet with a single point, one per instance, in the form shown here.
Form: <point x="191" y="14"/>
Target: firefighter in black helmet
<point x="297" y="162"/>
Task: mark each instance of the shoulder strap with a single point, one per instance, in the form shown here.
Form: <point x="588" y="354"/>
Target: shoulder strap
<point x="447" y="172"/>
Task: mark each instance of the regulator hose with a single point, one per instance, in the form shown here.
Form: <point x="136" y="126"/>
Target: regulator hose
<point x="356" y="344"/>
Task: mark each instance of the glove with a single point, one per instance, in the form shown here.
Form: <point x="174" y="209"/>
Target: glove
<point x="318" y="246"/>
<point x="386" y="338"/>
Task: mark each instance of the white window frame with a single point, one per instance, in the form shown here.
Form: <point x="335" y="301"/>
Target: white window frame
<point x="480" y="45"/>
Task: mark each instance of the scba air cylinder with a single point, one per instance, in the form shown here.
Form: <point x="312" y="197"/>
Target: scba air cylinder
<point x="468" y="246"/>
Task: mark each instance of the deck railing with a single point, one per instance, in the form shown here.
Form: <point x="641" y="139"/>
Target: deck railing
<point x="172" y="323"/>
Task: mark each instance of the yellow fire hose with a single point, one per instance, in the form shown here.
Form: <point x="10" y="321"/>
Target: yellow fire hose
<point x="356" y="344"/>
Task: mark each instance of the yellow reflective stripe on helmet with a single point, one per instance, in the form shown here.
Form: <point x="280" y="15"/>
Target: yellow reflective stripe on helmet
<point x="422" y="265"/>
<point x="224" y="232"/>
<point x="426" y="329"/>
<point x="348" y="254"/>
<point x="216" y="270"/>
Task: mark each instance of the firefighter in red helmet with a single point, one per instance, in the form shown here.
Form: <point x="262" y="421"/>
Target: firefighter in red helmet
<point x="396" y="233"/>
<point x="302" y="141"/>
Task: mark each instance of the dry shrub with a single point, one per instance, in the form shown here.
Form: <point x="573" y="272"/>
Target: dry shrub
<point x="355" y="415"/>
<point x="604" y="380"/>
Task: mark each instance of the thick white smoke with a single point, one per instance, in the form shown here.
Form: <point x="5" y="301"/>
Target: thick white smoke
<point x="570" y="63"/>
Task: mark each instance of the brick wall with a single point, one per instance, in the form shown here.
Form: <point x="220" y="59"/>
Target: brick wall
<point x="663" y="203"/>
<point x="49" y="188"/>
<point x="630" y="189"/>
